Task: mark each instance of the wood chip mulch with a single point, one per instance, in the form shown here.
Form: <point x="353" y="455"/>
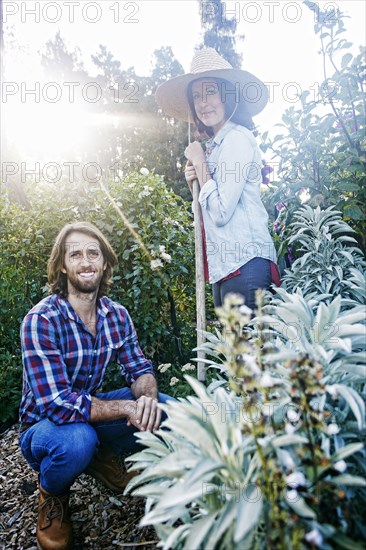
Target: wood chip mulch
<point x="101" y="520"/>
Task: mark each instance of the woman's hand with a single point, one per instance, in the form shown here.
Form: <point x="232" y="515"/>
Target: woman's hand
<point x="195" y="153"/>
<point x="190" y="174"/>
<point x="196" y="165"/>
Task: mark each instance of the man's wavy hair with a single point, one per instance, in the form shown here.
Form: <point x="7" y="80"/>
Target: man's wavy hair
<point x="57" y="281"/>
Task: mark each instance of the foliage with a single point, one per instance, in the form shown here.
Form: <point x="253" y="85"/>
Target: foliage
<point x="271" y="454"/>
<point x="219" y="31"/>
<point x="150" y="229"/>
<point x="329" y="260"/>
<point x="10" y="389"/>
<point x="321" y="146"/>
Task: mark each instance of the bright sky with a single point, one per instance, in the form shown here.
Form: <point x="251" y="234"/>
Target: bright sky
<point x="279" y="47"/>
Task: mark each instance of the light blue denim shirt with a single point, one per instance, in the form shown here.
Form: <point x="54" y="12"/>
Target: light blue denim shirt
<point x="234" y="217"/>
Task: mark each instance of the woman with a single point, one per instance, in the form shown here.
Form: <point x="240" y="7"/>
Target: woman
<point x="221" y="101"/>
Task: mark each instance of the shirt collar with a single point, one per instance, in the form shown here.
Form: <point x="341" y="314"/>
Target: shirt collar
<point x="222" y="133"/>
<point x="67" y="311"/>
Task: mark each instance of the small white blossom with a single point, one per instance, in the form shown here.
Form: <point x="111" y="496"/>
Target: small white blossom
<point x="314" y="537"/>
<point x="333" y="429"/>
<point x="144" y="171"/>
<point x="290" y="429"/>
<point x="144" y="193"/>
<point x="292" y="495"/>
<point x="341" y="466"/>
<point x="173" y="381"/>
<point x="161" y="248"/>
<point x="267" y="381"/>
<point x="166" y="257"/>
<point x="164" y="367"/>
<point x="245" y="310"/>
<point x="296" y="479"/>
<point x="188" y="367"/>
<point x="155" y="264"/>
<point x="293" y="415"/>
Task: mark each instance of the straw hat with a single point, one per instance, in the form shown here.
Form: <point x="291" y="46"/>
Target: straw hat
<point x="172" y="94"/>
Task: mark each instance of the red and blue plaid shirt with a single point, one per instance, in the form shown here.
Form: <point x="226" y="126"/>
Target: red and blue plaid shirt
<point x="64" y="364"/>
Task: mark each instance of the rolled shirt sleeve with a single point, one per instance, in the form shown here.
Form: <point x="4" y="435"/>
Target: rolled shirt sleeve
<point x="130" y="356"/>
<point x="46" y="373"/>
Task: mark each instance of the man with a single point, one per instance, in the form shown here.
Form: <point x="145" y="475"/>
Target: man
<point x="68" y="341"/>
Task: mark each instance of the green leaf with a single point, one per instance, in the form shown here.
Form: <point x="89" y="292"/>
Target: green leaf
<point x="248" y="514"/>
<point x="346" y="479"/>
<point x="355" y="402"/>
<point x="199" y="531"/>
<point x="348" y="450"/>
<point x="346" y="59"/>
<point x="300" y="507"/>
<point x="284" y="440"/>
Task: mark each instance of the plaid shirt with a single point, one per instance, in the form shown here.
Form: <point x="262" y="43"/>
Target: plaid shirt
<point x="64" y="364"/>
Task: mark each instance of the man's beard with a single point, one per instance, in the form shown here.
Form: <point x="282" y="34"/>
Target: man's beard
<point x="84" y="287"/>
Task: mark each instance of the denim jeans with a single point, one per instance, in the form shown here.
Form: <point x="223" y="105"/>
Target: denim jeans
<point x="253" y="275"/>
<point x="62" y="452"/>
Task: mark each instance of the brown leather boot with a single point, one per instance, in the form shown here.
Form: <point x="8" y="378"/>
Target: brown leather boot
<point x="53" y="524"/>
<point x="109" y="468"/>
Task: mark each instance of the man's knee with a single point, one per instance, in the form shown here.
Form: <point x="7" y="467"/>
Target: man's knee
<point x="77" y="442"/>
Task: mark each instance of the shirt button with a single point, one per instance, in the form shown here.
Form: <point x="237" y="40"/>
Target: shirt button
<point x="90" y="375"/>
<point x="95" y="351"/>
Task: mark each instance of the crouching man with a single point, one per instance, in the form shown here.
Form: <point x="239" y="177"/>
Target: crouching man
<point x="69" y="340"/>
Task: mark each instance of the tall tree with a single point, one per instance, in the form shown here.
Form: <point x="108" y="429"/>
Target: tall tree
<point x="219" y="31"/>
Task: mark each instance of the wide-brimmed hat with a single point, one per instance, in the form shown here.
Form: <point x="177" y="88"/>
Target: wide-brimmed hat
<point x="172" y="95"/>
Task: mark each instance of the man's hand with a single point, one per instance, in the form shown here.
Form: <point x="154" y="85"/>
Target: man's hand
<point x="144" y="414"/>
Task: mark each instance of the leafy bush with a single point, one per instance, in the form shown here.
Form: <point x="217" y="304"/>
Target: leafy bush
<point x="320" y="147"/>
<point x="271" y="455"/>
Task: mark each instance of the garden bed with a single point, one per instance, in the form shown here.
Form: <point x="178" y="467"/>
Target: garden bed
<point x="101" y="520"/>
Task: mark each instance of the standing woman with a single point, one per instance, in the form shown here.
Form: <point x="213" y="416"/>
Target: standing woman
<point x="221" y="101"/>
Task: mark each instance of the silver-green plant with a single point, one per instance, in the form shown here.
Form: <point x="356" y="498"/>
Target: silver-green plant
<point x="330" y="265"/>
<point x="259" y="464"/>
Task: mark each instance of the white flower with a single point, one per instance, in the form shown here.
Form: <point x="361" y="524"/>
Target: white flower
<point x="292" y="495"/>
<point x="144" y="193"/>
<point x="290" y="429"/>
<point x="314" y="537"/>
<point x="166" y="257"/>
<point x="161" y="248"/>
<point x="267" y="381"/>
<point x="164" y="367"/>
<point x="188" y="367"/>
<point x="341" y="466"/>
<point x="296" y="479"/>
<point x="245" y="310"/>
<point x="155" y="264"/>
<point x="333" y="429"/>
<point x="293" y="415"/>
<point x="144" y="171"/>
<point x="173" y="381"/>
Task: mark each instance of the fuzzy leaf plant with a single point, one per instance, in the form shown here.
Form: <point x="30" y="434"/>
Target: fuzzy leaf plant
<point x="256" y="464"/>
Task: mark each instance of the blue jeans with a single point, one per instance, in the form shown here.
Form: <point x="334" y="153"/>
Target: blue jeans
<point x="60" y="453"/>
<point x="254" y="274"/>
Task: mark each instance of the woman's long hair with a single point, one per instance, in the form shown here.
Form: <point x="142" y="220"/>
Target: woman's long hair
<point x="57" y="280"/>
<point x="230" y="100"/>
